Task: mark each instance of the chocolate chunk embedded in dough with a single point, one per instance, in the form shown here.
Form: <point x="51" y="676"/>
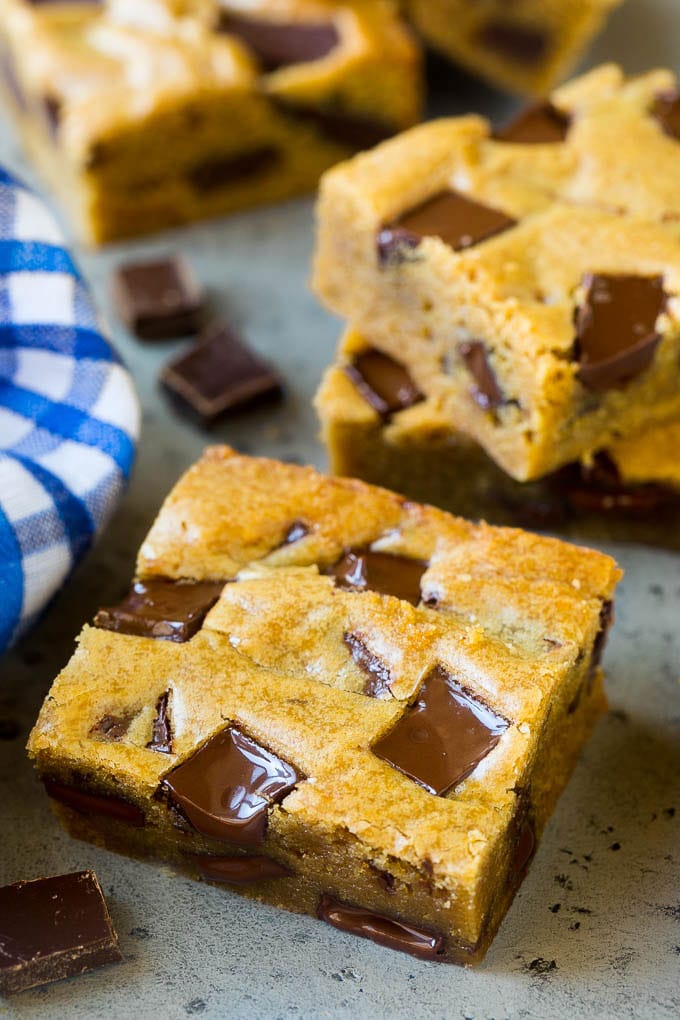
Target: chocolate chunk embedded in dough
<point x="162" y="608"/>
<point x="53" y="928"/>
<point x="666" y="110"/>
<point x="239" y="870"/>
<point x="539" y="124"/>
<point x="90" y="803"/>
<point x="442" y="738"/>
<point x="161" y="728"/>
<point x="281" y="43"/>
<point x="386" y="573"/>
<point x="226" y="788"/>
<point x="616" y="333"/>
<point x="384" y="930"/>
<point x="379" y="678"/>
<point x="486" y="391"/>
<point x="520" y="43"/>
<point x="456" y="219"/>
<point x="383" y="382"/>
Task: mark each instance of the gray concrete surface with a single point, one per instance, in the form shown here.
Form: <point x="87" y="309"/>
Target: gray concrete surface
<point x="595" y="930"/>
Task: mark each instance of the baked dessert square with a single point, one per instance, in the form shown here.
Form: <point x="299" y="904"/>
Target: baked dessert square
<point x="526" y="46"/>
<point x="527" y="282"/>
<point x="378" y="427"/>
<point x="149" y="114"/>
<point x="335" y="700"/>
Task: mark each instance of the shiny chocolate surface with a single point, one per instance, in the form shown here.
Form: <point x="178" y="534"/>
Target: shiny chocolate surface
<point x="383" y="930"/>
<point x="161" y="608"/>
<point x="386" y="573"/>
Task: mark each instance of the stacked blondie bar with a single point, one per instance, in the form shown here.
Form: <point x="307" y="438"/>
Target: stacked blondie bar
<point x="514" y="341"/>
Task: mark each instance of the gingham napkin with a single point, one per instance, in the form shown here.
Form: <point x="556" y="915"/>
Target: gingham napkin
<point x="69" y="417"/>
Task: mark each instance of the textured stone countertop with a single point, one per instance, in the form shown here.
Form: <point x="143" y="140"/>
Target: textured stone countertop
<point x="595" y="930"/>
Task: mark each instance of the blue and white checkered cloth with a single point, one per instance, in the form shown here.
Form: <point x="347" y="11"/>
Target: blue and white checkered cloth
<point x="69" y="417"/>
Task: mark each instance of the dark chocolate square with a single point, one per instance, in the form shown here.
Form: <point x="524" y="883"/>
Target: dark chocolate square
<point x="158" y="300"/>
<point x="162" y="608"/>
<point x="385" y="384"/>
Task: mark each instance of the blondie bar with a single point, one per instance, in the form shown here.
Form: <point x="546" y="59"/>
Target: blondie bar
<point x="378" y="427"/>
<point x="526" y="45"/>
<point x="529" y="281"/>
<point x="152" y="113"/>
<point x="335" y="700"/>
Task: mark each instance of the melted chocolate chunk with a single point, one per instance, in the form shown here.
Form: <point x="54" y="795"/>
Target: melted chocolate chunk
<point x="158" y="300"/>
<point x="341" y="127"/>
<point x="454" y="218"/>
<point x="443" y="737"/>
<point x="386" y="573"/>
<point x="387" y="880"/>
<point x="540" y="124"/>
<point x="383" y="383"/>
<point x="227" y="787"/>
<point x="296" y="532"/>
<point x="218" y="375"/>
<point x="160" y="608"/>
<point x="112" y="727"/>
<point x="666" y="110"/>
<point x="87" y="803"/>
<point x="161" y="730"/>
<point x="53" y="928"/>
<point x="379" y="682"/>
<point x="598" y="488"/>
<point x="383" y="930"/>
<point x="281" y="43"/>
<point x="606" y="620"/>
<point x="239" y="870"/>
<point x="224" y="170"/>
<point x="616" y="328"/>
<point x="486" y="392"/>
<point x="520" y="43"/>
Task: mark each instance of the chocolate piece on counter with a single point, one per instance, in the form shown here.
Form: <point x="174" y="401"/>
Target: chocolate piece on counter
<point x="161" y="608"/>
<point x="219" y="374"/>
<point x="296" y="532"/>
<point x="222" y="170"/>
<point x="239" y="870"/>
<point x="486" y="392"/>
<point x="456" y="219"/>
<point x="87" y="803"/>
<point x="386" y="573"/>
<point x="53" y="928"/>
<point x="348" y="129"/>
<point x="161" y="729"/>
<point x="383" y="382"/>
<point x="379" y="680"/>
<point x="666" y="110"/>
<point x="158" y="300"/>
<point x="112" y="727"/>
<point x="616" y="328"/>
<point x="540" y="124"/>
<point x="521" y="43"/>
<point x="226" y="788"/>
<point x="383" y="930"/>
<point x="281" y="43"/>
<point x="443" y="737"/>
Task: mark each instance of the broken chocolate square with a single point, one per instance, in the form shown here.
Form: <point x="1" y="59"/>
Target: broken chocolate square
<point x="162" y="608"/>
<point x="161" y="730"/>
<point x="281" y="43"/>
<point x="226" y="788"/>
<point x="53" y="928"/>
<point x="219" y="374"/>
<point x="540" y="124"/>
<point x="616" y="333"/>
<point x="386" y="573"/>
<point x="383" y="382"/>
<point x="158" y="300"/>
<point x="443" y="737"/>
<point x="379" y="678"/>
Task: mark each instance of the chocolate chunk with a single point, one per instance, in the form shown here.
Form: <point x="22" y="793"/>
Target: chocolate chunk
<point x="220" y="171"/>
<point x="666" y="110"/>
<point x="486" y="393"/>
<point x="161" y="608"/>
<point x="383" y="930"/>
<point x="296" y="532"/>
<point x="87" y="803"/>
<point x="158" y="300"/>
<point x="616" y="328"/>
<point x="540" y="124"/>
<point x="443" y="737"/>
<point x="386" y="573"/>
<point x="387" y="880"/>
<point x="597" y="488"/>
<point x="521" y="43"/>
<point x="53" y="928"/>
<point x="383" y="382"/>
<point x="219" y="374"/>
<point x="455" y="219"/>
<point x="239" y="870"/>
<point x="112" y="727"/>
<point x="226" y="788"/>
<point x="281" y="43"/>
<point x="342" y="127"/>
<point x="379" y="680"/>
<point x="606" y="620"/>
<point x="161" y="730"/>
<point x="52" y="108"/>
